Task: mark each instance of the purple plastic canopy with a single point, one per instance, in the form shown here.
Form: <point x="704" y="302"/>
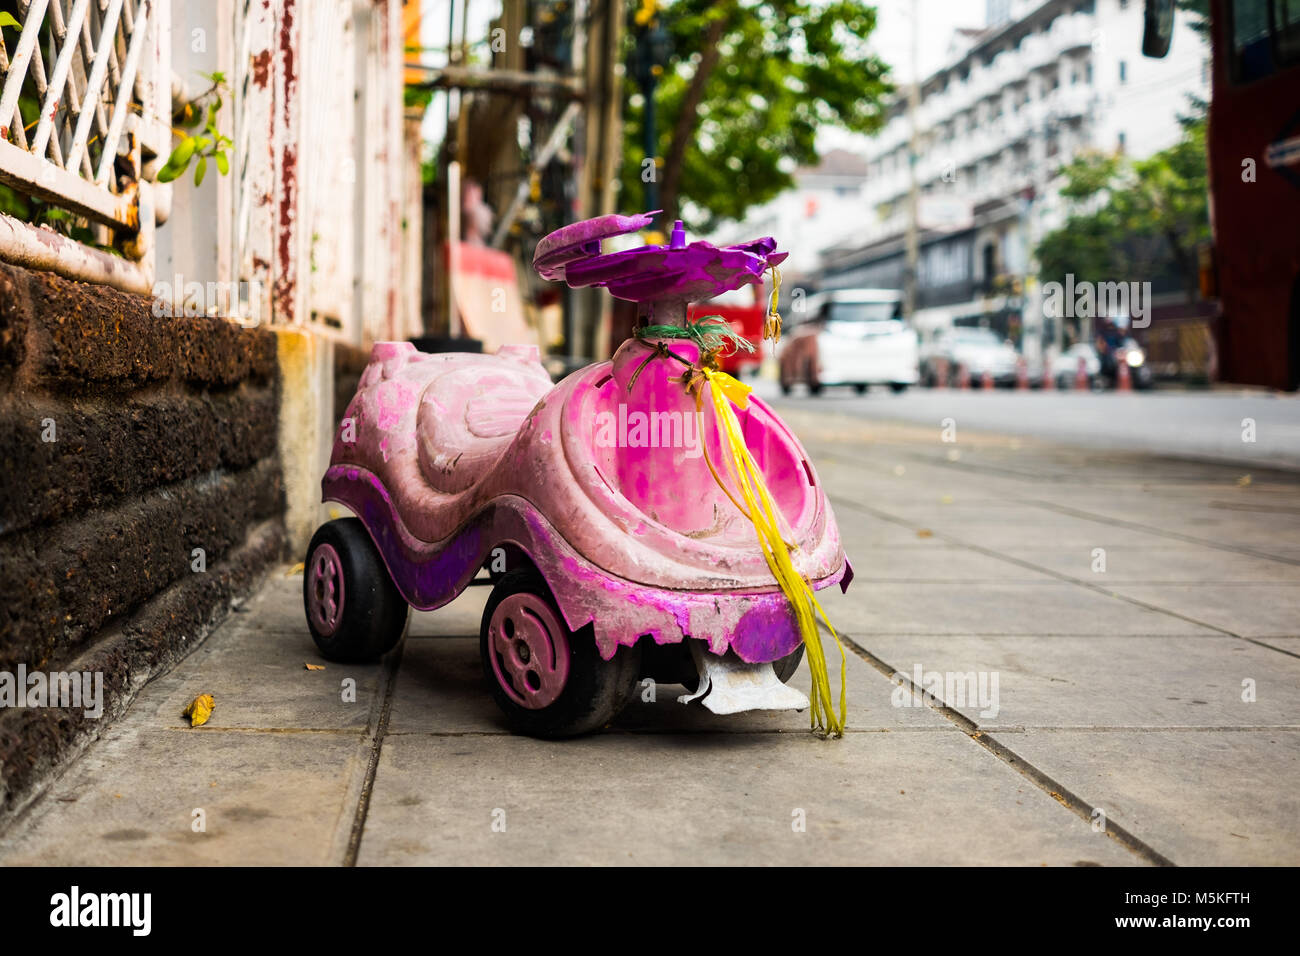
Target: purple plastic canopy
<point x="691" y="272"/>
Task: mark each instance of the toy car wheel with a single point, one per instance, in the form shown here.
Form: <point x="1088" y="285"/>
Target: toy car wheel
<point x="354" y="611"/>
<point x="786" y="666"/>
<point x="549" y="681"/>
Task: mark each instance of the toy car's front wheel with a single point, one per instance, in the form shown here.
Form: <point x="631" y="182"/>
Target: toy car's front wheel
<point x="354" y="611"/>
<point x="549" y="681"/>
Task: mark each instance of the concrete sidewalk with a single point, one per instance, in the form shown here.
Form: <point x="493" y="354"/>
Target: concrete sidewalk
<point x="1146" y="713"/>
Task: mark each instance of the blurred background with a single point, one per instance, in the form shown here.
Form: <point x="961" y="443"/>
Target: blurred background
<point x="963" y="155"/>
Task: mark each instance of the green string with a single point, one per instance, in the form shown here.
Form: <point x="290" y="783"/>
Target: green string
<point x="710" y="335"/>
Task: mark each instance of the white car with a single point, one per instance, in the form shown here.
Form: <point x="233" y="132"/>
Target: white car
<point x="1065" y="367"/>
<point x="980" y="352"/>
<point x="849" y="337"/>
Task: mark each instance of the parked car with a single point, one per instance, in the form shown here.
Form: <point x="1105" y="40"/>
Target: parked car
<point x="1065" y="367"/>
<point x="979" y="351"/>
<point x="849" y="337"/>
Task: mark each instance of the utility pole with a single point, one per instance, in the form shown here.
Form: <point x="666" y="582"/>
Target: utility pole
<point x="648" y="59"/>
<point x="912" y="239"/>
<point x="602" y="138"/>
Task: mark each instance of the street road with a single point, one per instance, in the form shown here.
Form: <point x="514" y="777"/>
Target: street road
<point x="1204" y="425"/>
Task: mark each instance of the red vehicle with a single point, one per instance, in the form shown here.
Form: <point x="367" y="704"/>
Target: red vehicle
<point x="1253" y="143"/>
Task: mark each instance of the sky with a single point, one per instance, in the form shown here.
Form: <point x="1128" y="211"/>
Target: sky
<point x="892" y="41"/>
<point x="937" y="18"/>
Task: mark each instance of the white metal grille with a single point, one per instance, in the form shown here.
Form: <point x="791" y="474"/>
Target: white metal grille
<point x="330" y="174"/>
<point x="253" y="235"/>
<point x="80" y="113"/>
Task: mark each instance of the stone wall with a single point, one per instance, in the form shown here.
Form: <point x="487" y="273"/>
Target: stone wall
<point x="140" y="497"/>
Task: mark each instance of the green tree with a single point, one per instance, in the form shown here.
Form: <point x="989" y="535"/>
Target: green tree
<point x="745" y="89"/>
<point x="1133" y="218"/>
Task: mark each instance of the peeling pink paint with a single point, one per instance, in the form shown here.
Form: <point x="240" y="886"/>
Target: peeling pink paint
<point x="437" y="493"/>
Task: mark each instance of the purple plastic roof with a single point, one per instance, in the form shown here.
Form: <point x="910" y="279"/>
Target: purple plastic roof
<point x="675" y="270"/>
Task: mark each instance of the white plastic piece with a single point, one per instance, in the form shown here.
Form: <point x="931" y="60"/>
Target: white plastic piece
<point x="731" y="686"/>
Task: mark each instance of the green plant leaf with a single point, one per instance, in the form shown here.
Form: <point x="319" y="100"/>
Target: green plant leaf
<point x="776" y="80"/>
<point x="184" y="150"/>
<point x="7" y="20"/>
<point x="171" y="171"/>
<point x="212" y="144"/>
<point x="178" y="160"/>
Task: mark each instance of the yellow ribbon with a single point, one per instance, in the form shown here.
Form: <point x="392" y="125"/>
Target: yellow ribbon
<point x="726" y="391"/>
<point x="772" y="321"/>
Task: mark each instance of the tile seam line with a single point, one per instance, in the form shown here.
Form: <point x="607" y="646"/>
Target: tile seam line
<point x="322" y="731"/>
<point x="1077" y="582"/>
<point x="1127" y="524"/>
<point x="1286" y="466"/>
<point x="1204" y="635"/>
<point x="1138" y="729"/>
<point x="1102" y="519"/>
<point x="1147" y="529"/>
<point x="676" y="732"/>
<point x="1051" y="787"/>
<point x="388" y="683"/>
<point x="1128" y="582"/>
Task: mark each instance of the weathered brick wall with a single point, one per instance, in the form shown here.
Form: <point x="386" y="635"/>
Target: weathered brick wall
<point x="164" y="441"/>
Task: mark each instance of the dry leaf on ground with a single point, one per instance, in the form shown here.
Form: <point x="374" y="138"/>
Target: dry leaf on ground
<point x="199" y="710"/>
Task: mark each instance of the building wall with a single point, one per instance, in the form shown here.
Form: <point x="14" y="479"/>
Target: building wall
<point x="132" y="446"/>
<point x="1047" y="81"/>
<point x="157" y="457"/>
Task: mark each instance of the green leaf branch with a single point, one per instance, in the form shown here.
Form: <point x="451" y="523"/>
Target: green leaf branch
<point x="208" y="143"/>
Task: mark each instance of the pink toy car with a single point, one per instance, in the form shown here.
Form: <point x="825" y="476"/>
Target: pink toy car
<point x="613" y="553"/>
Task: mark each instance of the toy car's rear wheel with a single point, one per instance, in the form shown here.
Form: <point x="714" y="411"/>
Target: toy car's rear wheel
<point x="354" y="611"/>
<point x="549" y="681"/>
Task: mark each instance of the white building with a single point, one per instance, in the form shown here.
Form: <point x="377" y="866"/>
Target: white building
<point x="1016" y="101"/>
<point x="825" y="206"/>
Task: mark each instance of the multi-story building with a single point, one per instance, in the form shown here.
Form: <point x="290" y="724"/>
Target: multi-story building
<point x="825" y="206"/>
<point x="1015" y="102"/>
